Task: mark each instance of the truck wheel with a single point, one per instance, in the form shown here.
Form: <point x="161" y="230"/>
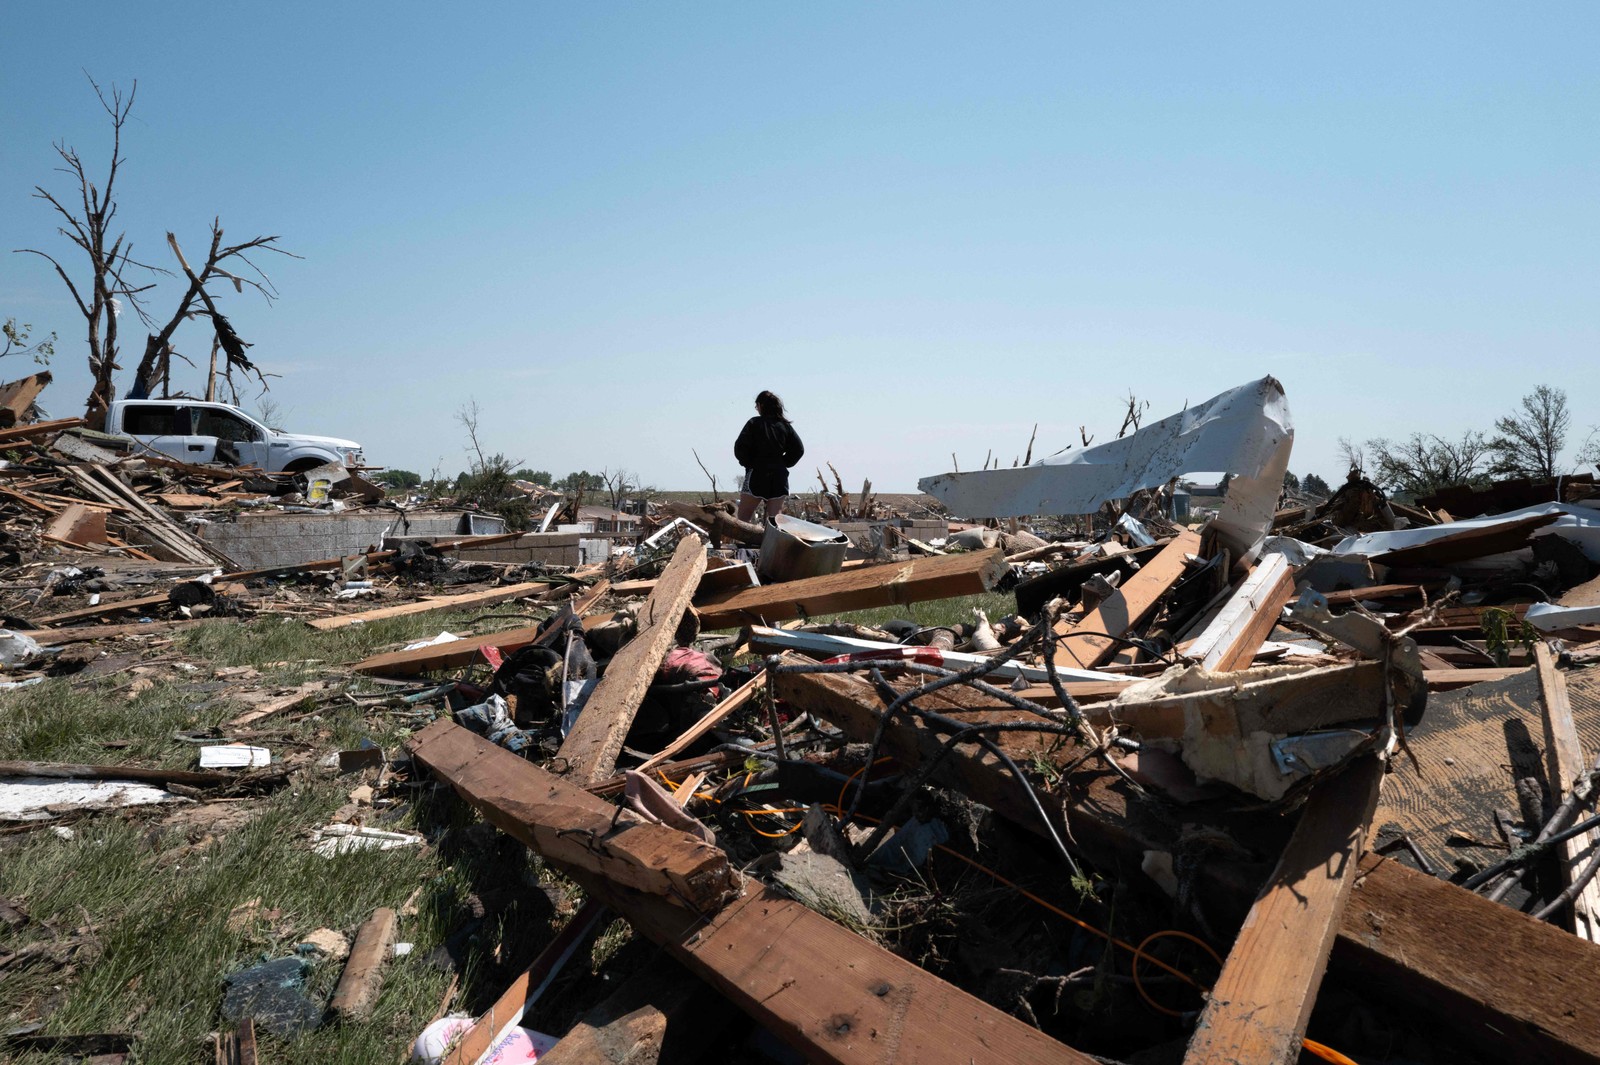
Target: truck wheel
<point x="302" y="465"/>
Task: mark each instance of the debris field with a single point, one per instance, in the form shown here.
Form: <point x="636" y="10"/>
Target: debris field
<point x="1031" y="770"/>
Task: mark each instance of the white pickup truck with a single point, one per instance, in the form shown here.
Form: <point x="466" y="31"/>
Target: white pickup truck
<point x="195" y="431"/>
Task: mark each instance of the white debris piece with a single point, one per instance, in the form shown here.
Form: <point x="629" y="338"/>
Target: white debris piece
<point x="341" y="839"/>
<point x="41" y="798"/>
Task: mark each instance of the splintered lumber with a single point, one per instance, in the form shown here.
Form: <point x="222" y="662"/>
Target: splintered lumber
<point x="1259" y="1007"/>
<point x="167" y="539"/>
<point x="591" y="748"/>
<point x="79" y="525"/>
<point x="362" y="978"/>
<point x="1519" y="989"/>
<point x="187" y="778"/>
<point x="1064" y="581"/>
<point x="1443" y="680"/>
<point x="102" y="609"/>
<point x="1231" y="641"/>
<point x="631" y="1025"/>
<point x="1481" y="969"/>
<point x="834" y="996"/>
<point x="713" y="717"/>
<point x="441" y="602"/>
<point x="720" y="524"/>
<point x="16" y="397"/>
<point x="529" y="985"/>
<point x="567" y="824"/>
<point x="79" y="633"/>
<point x="1564" y="765"/>
<point x="457" y="653"/>
<point x="895" y="583"/>
<point x="1086" y="643"/>
<point x="37" y="430"/>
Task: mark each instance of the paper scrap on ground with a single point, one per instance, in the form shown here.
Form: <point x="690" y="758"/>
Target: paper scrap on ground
<point x="443" y="637"/>
<point x="1245" y="431"/>
<point x="234" y="756"/>
<point x="341" y="839"/>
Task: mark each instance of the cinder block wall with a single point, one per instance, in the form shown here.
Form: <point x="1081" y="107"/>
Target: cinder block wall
<point x="257" y="541"/>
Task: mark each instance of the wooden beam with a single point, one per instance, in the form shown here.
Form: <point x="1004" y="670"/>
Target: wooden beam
<point x="895" y="583"/>
<point x="834" y="996"/>
<point x="37" y="429"/>
<point x="1512" y="987"/>
<point x="591" y="748"/>
<point x="1126" y="607"/>
<point x="1231" y="641"/>
<point x="1259" y="1008"/>
<point x="734" y="700"/>
<point x="101" y="610"/>
<point x="1443" y="680"/>
<point x="633" y="1024"/>
<point x="566" y="823"/>
<point x="17" y="396"/>
<point x="362" y="978"/>
<point x="1564" y="765"/>
<point x="186" y="777"/>
<point x="505" y="594"/>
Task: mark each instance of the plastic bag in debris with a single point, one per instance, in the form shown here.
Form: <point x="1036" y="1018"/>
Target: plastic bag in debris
<point x="492" y="720"/>
<point x="273" y="993"/>
<point x="975" y="539"/>
<point x="18" y="649"/>
<point x="684" y="665"/>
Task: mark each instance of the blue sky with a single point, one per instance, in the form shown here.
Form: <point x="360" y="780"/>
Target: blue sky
<point x="927" y="226"/>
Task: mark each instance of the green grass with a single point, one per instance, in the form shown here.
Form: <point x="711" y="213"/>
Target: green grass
<point x="158" y="895"/>
<point x="936" y="612"/>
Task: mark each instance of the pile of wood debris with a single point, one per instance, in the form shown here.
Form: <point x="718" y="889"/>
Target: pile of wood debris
<point x="1243" y="792"/>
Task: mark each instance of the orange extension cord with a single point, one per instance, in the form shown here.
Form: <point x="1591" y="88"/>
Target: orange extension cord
<point x="1139" y="953"/>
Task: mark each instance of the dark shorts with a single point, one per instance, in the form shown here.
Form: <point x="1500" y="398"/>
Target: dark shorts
<point x="767" y="484"/>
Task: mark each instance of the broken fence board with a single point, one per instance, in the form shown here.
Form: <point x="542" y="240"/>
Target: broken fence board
<point x="895" y="583"/>
<point x="1084" y="644"/>
<point x="362" y="978"/>
<point x="591" y="748"/>
<point x="563" y="822"/>
<point x="1258" y="1010"/>
<point x="1564" y="765"/>
<point x="443" y="602"/>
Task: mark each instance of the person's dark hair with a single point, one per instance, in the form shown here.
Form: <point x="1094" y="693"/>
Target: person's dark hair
<point x="770" y="406"/>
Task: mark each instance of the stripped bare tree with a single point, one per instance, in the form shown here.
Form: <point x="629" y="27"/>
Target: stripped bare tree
<point x="88" y="224"/>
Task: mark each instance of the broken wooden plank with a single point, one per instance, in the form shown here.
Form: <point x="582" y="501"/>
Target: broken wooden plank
<point x="1085" y="644"/>
<point x="1443" y="680"/>
<point x="465" y="600"/>
<point x="631" y="1026"/>
<point x="1564" y="766"/>
<point x="591" y="747"/>
<point x="37" y="430"/>
<point x="77" y="524"/>
<point x="895" y="583"/>
<point x="1258" y="1010"/>
<point x="80" y="633"/>
<point x="452" y="654"/>
<point x="529" y="985"/>
<point x="362" y="978"/>
<point x="1519" y="989"/>
<point x="16" y="397"/>
<point x="566" y="823"/>
<point x="187" y="778"/>
<point x="834" y="996"/>
<point x="102" y="609"/>
<point x="1231" y="641"/>
<point x="734" y="700"/>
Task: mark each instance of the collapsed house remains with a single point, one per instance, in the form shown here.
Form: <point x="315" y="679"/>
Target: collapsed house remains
<point x="1197" y="784"/>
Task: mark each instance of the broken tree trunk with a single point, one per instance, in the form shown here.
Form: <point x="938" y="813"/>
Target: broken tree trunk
<point x="1564" y="766"/>
<point x="591" y="748"/>
<point x="1087" y="643"/>
<point x="1259" y="1007"/>
<point x="719" y="523"/>
<point x="895" y="583"/>
<point x="565" y="823"/>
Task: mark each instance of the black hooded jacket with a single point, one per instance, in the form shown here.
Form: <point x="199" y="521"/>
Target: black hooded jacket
<point x="768" y="445"/>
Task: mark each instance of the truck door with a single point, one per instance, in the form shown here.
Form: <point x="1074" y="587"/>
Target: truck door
<point x="166" y="429"/>
<point x="233" y="440"/>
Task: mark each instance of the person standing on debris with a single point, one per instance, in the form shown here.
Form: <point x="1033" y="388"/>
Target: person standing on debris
<point x="767" y="448"/>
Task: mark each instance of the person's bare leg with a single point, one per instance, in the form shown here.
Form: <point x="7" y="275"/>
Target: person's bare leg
<point x="775" y="506"/>
<point x="747" y="506"/>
